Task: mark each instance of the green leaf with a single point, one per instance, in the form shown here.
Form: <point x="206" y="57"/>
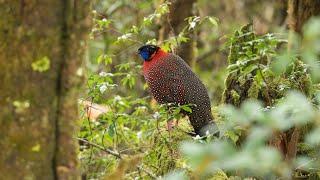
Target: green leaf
<point x="232" y="135"/>
<point x="111" y="130"/>
<point x="187" y="108"/>
<point x="152" y="41"/>
<point x="249" y="69"/>
<point x="129" y="80"/>
<point x="104" y="23"/>
<point x="134" y="29"/>
<point x="104" y="58"/>
<point x="148" y="20"/>
<point x="213" y="20"/>
<point x="257" y="137"/>
<point x="163" y="8"/>
<point x="232" y="67"/>
<point x="100" y="59"/>
<point x="181" y="38"/>
<point x="314" y="137"/>
<point x="123" y="67"/>
<point x="108" y="60"/>
<point x="281" y="62"/>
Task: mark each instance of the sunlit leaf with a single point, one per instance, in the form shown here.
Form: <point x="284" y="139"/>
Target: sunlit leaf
<point x="213" y="21"/>
<point x="187" y="109"/>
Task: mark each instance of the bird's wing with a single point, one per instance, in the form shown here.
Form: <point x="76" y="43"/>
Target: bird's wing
<point x="176" y="73"/>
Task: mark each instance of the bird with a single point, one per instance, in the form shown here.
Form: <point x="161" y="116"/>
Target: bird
<point x="171" y="81"/>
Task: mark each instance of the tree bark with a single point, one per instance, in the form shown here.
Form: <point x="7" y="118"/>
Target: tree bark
<point x="174" y="23"/>
<point x="299" y="12"/>
<point x="237" y="91"/>
<point x="39" y="109"/>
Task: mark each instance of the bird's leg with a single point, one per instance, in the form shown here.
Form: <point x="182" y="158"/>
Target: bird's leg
<point x="170" y="121"/>
<point x="170" y="125"/>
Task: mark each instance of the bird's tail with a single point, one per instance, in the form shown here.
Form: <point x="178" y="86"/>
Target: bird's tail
<point x="203" y="123"/>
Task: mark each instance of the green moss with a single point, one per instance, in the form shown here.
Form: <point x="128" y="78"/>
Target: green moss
<point x="250" y="75"/>
<point x="236" y="97"/>
<point x="254" y="90"/>
<point x="300" y="78"/>
<point x="165" y="153"/>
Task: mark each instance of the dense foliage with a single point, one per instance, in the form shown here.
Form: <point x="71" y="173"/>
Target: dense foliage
<point x="268" y="88"/>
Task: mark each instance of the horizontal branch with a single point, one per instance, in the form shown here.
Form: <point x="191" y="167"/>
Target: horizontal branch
<point x="116" y="154"/>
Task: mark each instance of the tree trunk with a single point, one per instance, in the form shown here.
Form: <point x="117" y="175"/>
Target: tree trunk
<point x="237" y="90"/>
<point x="299" y="12"/>
<point x="174" y="23"/>
<point x="39" y="106"/>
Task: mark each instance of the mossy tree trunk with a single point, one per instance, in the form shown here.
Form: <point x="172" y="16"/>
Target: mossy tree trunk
<point x="239" y="88"/>
<point x="173" y="24"/>
<point x="39" y="107"/>
<point x="299" y="12"/>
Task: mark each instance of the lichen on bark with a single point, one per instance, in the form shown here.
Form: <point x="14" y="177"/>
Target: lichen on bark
<point x="36" y="137"/>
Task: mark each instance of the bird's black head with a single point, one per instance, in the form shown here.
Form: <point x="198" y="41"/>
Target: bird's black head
<point x="147" y="51"/>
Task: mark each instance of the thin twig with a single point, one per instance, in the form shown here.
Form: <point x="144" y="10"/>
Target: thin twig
<point x="103" y="134"/>
<point x="147" y="172"/>
<point x="116" y="132"/>
<point x="267" y="86"/>
<point x="117" y="155"/>
<point x="90" y="130"/>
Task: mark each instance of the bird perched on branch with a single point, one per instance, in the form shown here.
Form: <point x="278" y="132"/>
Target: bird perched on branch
<point x="171" y="80"/>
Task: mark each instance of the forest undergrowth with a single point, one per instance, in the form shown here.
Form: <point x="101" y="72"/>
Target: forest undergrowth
<point x="270" y="91"/>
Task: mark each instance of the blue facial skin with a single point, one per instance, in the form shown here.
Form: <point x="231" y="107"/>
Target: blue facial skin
<point x="144" y="54"/>
<point x="147" y="51"/>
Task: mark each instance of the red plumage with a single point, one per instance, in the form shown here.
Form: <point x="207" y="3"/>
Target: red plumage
<point x="171" y="80"/>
